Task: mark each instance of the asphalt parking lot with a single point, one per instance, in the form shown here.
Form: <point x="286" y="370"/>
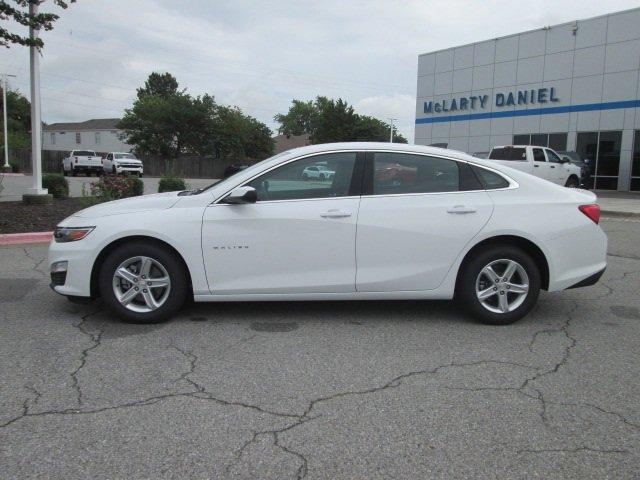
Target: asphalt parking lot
<point x="322" y="390"/>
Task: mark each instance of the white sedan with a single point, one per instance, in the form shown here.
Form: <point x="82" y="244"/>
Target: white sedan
<point x="455" y="227"/>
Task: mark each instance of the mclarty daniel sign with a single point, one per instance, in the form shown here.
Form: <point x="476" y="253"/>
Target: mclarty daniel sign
<point x="501" y="99"/>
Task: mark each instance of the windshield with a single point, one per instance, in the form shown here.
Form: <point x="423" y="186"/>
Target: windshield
<point x="128" y="156"/>
<point x="84" y="153"/>
<point x="253" y="168"/>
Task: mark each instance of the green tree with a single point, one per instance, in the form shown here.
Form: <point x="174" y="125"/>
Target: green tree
<point x="168" y="122"/>
<point x="18" y="120"/>
<point x="237" y="135"/>
<point x="300" y="118"/>
<point x="18" y="12"/>
<point x="327" y="120"/>
<point x="162" y="84"/>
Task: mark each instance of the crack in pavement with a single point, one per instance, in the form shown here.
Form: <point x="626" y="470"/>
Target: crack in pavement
<point x="571" y="450"/>
<point x="36" y="262"/>
<point x="96" y="341"/>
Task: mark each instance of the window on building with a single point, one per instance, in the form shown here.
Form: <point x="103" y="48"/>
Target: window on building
<point x="78" y="138"/>
<point x="601" y="151"/>
<point x="635" y="165"/>
<point x="53" y="138"/>
<point x="97" y="138"/>
<point x="555" y="141"/>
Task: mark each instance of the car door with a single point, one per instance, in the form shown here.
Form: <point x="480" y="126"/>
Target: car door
<point x="540" y="165"/>
<point x="299" y="237"/>
<point x="416" y="215"/>
<point x="557" y="174"/>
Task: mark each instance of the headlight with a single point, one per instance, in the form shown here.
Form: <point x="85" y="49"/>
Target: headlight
<point x="71" y="234"/>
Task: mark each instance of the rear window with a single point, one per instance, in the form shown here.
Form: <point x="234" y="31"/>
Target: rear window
<point x="83" y="153"/>
<point x="490" y="180"/>
<point x="508" y="153"/>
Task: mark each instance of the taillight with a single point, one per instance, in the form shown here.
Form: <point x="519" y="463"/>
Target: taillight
<point x="592" y="211"/>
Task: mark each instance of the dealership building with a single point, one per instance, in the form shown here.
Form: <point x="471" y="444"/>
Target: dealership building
<point x="571" y="87"/>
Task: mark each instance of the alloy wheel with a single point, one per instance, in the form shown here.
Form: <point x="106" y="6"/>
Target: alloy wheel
<point x="141" y="284"/>
<point x="502" y="286"/>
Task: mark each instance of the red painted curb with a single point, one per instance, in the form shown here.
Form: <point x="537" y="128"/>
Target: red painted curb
<point x="30" y="237"/>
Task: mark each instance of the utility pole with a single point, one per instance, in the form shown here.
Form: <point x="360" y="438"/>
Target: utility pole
<point x="391" y="120"/>
<point x="6" y="166"/>
<point x="36" y="125"/>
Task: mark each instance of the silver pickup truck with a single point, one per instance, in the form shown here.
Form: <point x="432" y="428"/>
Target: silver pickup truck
<point x="85" y="161"/>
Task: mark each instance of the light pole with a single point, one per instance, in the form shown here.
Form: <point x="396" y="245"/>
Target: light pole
<point x="391" y="120"/>
<point x="36" y="125"/>
<point x="6" y="166"/>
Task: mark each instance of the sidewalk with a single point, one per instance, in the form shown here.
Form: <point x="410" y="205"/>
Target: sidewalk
<point x="620" y="204"/>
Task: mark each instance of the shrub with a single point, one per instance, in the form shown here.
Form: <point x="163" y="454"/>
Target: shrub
<point x="56" y="184"/>
<point x="114" y="187"/>
<point x="171" y="184"/>
<point x="15" y="167"/>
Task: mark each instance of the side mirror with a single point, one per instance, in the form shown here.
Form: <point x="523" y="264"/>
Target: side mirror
<point x="241" y="195"/>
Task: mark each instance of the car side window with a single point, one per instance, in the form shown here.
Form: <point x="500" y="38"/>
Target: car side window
<point x="291" y="181"/>
<point x="490" y="180"/>
<point x="396" y="173"/>
<point x="109" y="157"/>
<point x="552" y="157"/>
<point x="538" y="155"/>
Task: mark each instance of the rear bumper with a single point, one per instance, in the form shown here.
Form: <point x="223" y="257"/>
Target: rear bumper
<point x="87" y="168"/>
<point x="590" y="280"/>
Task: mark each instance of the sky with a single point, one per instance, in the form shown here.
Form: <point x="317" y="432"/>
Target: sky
<point x="260" y="55"/>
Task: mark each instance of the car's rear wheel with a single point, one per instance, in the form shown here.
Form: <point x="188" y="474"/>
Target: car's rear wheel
<point x="500" y="285"/>
<point x="143" y="283"/>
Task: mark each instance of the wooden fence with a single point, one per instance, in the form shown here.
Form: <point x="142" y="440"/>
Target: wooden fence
<point x="186" y="167"/>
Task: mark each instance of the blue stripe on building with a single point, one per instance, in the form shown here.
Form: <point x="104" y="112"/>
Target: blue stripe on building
<point x="586" y="107"/>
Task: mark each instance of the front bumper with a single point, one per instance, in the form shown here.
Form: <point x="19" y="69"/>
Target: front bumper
<point x="131" y="169"/>
<point x="77" y="277"/>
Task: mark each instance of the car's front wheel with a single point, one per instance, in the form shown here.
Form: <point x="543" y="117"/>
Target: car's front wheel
<point x="500" y="285"/>
<point x="143" y="282"/>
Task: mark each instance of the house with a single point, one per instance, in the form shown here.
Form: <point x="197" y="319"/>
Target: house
<point x="287" y="142"/>
<point x="100" y="135"/>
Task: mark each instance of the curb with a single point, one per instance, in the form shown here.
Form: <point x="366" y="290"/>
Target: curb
<point x="619" y="214"/>
<point x="13" y="174"/>
<point x="23" y="238"/>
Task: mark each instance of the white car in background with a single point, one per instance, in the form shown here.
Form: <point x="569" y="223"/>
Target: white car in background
<point x="317" y="172"/>
<point x="120" y="162"/>
<point x="81" y="161"/>
<point x="456" y="227"/>
<point x="539" y="161"/>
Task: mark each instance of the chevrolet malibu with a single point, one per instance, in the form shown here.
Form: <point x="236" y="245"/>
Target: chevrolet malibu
<point x="450" y="226"/>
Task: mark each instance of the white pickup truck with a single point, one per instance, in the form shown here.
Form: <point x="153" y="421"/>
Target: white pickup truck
<point x="82" y="161"/>
<point x="539" y="161"/>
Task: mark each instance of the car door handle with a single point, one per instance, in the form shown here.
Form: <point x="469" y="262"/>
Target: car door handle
<point x="461" y="209"/>
<point x="335" y="214"/>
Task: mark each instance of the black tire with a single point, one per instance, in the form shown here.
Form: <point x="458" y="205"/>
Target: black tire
<point x="64" y="172"/>
<point x="466" y="288"/>
<point x="305" y="177"/>
<point x="572" y="182"/>
<point x="73" y="172"/>
<point x="113" y="170"/>
<point x="322" y="177"/>
<point x="173" y="265"/>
